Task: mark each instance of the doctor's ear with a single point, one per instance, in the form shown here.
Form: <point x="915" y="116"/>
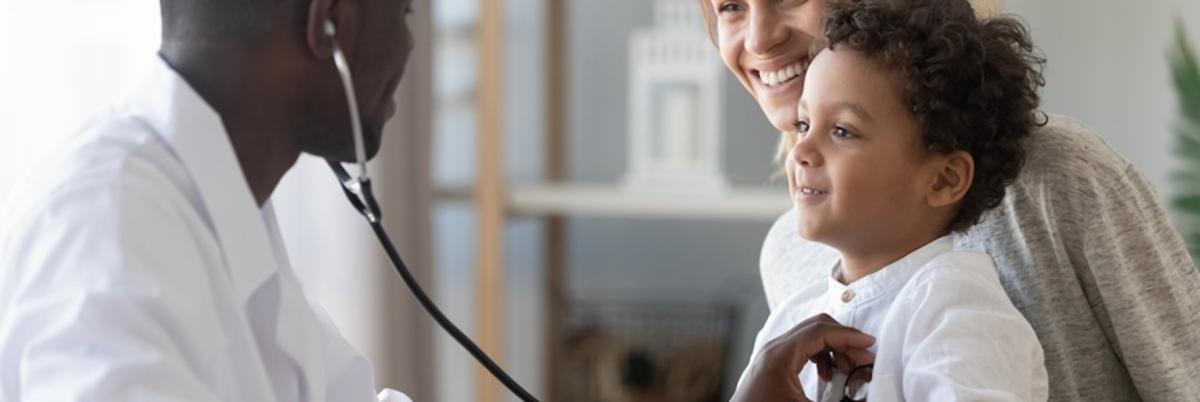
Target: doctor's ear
<point x="327" y="21"/>
<point x="955" y="172"/>
<point x="330" y="30"/>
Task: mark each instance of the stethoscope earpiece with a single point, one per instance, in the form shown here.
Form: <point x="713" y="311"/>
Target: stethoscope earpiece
<point x="330" y="30"/>
<point x="343" y="69"/>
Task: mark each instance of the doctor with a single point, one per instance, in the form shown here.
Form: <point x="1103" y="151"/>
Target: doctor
<point x="145" y="264"/>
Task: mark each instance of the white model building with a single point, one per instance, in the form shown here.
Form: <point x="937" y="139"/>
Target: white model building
<point x="675" y="104"/>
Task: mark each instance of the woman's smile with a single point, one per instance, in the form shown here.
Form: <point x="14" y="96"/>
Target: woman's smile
<point x="780" y="79"/>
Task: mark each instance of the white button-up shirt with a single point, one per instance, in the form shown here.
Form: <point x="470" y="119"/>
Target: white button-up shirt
<point x="945" y="330"/>
<point x="140" y="268"/>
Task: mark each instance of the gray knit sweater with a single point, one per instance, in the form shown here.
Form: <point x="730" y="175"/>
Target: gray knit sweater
<point x="1087" y="254"/>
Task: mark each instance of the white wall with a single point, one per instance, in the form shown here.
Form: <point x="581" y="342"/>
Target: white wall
<point x="1108" y="67"/>
<point x="62" y="61"/>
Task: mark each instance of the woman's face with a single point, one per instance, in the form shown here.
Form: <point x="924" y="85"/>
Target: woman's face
<point x="765" y="43"/>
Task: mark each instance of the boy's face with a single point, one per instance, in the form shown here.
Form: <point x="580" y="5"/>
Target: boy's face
<point x="859" y="174"/>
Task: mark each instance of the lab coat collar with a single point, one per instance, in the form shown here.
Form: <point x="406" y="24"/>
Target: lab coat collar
<point x="891" y="278"/>
<point x="197" y="136"/>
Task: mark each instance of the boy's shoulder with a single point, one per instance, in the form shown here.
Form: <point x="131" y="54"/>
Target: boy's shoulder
<point x="957" y="277"/>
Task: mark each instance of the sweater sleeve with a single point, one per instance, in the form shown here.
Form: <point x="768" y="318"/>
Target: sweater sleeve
<point x="1147" y="290"/>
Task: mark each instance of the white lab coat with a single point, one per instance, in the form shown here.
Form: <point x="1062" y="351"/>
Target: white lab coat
<point x="140" y="268"/>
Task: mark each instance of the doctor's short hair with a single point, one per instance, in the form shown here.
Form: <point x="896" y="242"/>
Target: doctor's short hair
<point x="971" y="84"/>
<point x="241" y="21"/>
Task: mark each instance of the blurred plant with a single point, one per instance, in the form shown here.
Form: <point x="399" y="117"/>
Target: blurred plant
<point x="1186" y="177"/>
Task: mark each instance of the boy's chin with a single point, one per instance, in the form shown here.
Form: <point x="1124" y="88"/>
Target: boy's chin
<point x="809" y="230"/>
<point x="820" y="231"/>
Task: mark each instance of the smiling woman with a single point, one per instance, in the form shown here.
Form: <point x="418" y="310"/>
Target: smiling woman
<point x="85" y="53"/>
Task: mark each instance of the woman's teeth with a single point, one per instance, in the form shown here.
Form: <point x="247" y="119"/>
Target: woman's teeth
<point x="812" y="191"/>
<point x="784" y="75"/>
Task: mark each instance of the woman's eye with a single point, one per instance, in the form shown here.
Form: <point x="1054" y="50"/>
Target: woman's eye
<point x="729" y="7"/>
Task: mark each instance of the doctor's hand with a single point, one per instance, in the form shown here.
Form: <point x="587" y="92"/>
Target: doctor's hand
<point x="773" y="375"/>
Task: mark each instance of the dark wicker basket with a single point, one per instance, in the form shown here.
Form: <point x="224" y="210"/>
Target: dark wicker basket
<point x="640" y="351"/>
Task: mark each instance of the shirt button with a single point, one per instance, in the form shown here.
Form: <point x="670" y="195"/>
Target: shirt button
<point x="847" y="296"/>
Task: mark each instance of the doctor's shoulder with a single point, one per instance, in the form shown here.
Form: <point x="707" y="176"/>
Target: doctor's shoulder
<point x="105" y="250"/>
<point x="113" y="195"/>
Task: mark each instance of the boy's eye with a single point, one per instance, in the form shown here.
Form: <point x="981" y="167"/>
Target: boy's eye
<point x="801" y="127"/>
<point x="839" y="132"/>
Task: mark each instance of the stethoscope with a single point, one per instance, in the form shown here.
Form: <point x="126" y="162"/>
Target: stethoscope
<point x="358" y="191"/>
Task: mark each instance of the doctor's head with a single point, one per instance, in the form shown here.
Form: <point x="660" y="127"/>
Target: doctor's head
<point x="285" y="41"/>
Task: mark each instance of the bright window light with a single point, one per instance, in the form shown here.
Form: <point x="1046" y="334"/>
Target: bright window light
<point x="61" y="62"/>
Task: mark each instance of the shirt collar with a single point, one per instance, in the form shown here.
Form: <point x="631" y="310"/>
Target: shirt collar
<point x="891" y="278"/>
<point x="197" y="136"/>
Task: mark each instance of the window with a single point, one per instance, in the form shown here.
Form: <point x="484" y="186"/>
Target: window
<point x="61" y="62"/>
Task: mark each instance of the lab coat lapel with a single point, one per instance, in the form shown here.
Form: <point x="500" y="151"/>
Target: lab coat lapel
<point x="298" y="332"/>
<point x="248" y="235"/>
<point x="194" y="131"/>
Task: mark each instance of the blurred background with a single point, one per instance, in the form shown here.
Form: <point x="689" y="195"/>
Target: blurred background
<point x="512" y="178"/>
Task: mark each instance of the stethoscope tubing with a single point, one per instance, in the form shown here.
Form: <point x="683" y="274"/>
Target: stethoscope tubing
<point x="358" y="191"/>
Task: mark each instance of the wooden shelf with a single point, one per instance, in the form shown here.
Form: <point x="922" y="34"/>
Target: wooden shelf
<point x="611" y="201"/>
<point x="598" y="200"/>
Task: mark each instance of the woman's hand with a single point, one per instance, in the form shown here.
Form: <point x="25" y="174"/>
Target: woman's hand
<point x="774" y="373"/>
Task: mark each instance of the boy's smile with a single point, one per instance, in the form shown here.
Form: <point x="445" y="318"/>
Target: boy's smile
<point x="808" y="193"/>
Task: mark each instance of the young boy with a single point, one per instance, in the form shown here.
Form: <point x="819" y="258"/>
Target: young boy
<point x="909" y="130"/>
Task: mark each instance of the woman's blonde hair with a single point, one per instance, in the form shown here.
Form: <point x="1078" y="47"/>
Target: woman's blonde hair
<point x="983" y="9"/>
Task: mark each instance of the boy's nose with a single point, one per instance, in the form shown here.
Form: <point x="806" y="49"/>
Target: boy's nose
<point x="804" y="152"/>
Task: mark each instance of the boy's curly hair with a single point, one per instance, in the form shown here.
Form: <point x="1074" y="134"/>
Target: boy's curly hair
<point x="971" y="83"/>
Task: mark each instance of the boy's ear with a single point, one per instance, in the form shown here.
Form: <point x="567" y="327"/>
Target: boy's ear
<point x="955" y="172"/>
